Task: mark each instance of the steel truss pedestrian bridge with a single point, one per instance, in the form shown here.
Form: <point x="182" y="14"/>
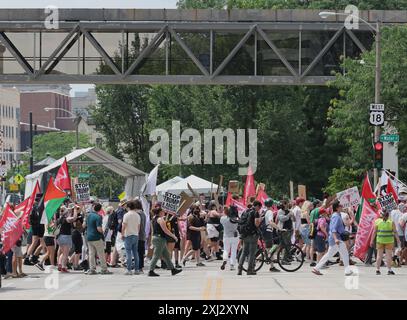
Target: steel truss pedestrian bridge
<point x="232" y="47"/>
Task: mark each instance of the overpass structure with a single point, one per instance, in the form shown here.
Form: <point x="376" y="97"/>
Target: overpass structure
<point x="154" y="46"/>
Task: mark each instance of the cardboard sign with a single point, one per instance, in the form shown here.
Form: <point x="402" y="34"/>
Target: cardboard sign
<point x="387" y="202"/>
<point x="349" y="198"/>
<point x="171" y="202"/>
<point x="302" y="191"/>
<point x="82" y="191"/>
<point x="186" y="202"/>
<point x="233" y="186"/>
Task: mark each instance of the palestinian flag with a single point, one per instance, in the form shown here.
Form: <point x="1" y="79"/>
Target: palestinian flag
<point x="53" y="198"/>
<point x="367" y="196"/>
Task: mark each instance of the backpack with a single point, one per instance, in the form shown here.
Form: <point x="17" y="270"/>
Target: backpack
<point x="112" y="222"/>
<point x="246" y="225"/>
<point x="263" y="225"/>
<point x="313" y="228"/>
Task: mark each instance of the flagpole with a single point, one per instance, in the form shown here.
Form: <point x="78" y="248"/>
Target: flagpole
<point x="395" y="178"/>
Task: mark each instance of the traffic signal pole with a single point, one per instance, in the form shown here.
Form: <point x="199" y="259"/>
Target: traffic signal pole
<point x="377" y="95"/>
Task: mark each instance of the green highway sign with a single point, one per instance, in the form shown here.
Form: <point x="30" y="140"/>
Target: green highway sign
<point x="389" y="138"/>
<point x="84" y="175"/>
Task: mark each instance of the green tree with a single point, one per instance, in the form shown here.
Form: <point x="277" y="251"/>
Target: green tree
<point x="57" y="144"/>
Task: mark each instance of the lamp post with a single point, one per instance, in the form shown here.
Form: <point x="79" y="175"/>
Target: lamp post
<point x="76" y="121"/>
<point x="376" y="30"/>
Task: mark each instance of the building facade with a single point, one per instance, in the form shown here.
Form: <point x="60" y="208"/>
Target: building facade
<point x="10" y="124"/>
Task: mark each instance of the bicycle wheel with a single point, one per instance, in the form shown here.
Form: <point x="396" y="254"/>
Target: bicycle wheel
<point x="258" y="262"/>
<point x="290" y="260"/>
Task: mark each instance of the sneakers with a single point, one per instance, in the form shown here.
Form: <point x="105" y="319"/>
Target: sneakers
<point x="27" y="262"/>
<point x="390" y="272"/>
<point x="64" y="270"/>
<point x="128" y="273"/>
<point x="153" y="274"/>
<point x="378" y="273"/>
<point x="178" y="266"/>
<point x="59" y="268"/>
<point x="349" y="273"/>
<point x="232" y="267"/>
<point x="91" y="272"/>
<point x="200" y="264"/>
<point x="78" y="268"/>
<point x="106" y="272"/>
<point x="184" y="262"/>
<point x="40" y="266"/>
<point x="175" y="271"/>
<point x="222" y="267"/>
<point x="274" y="269"/>
<point x="239" y="271"/>
<point x="317" y="272"/>
<point x="313" y="264"/>
<point x="136" y="272"/>
<point x="251" y="273"/>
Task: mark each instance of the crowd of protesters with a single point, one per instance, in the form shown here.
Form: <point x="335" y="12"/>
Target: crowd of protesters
<point x="83" y="237"/>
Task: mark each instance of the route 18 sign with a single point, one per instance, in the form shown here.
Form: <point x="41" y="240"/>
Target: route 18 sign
<point x="376" y="114"/>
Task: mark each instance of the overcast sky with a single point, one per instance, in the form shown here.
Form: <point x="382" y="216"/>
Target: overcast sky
<point x="150" y="4"/>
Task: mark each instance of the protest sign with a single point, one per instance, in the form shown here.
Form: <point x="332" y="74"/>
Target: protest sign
<point x="185" y="202"/>
<point x="82" y="192"/>
<point x="302" y="191"/>
<point x="233" y="186"/>
<point x="349" y="198"/>
<point x="171" y="202"/>
<point x="388" y="202"/>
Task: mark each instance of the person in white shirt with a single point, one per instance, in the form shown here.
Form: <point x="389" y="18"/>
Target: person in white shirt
<point x="395" y="216"/>
<point x="403" y="223"/>
<point x="297" y="215"/>
<point x="130" y="232"/>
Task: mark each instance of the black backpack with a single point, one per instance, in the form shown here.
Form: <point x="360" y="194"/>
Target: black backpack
<point x="112" y="222"/>
<point x="246" y="226"/>
<point x="263" y="226"/>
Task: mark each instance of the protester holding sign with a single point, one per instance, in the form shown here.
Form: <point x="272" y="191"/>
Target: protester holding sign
<point x="385" y="230"/>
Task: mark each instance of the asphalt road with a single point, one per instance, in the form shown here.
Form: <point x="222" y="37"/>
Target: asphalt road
<point x="209" y="283"/>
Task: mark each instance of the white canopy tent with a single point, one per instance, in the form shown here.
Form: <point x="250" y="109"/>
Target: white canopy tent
<point x="135" y="178"/>
<point x="168" y="184"/>
<point x="198" y="184"/>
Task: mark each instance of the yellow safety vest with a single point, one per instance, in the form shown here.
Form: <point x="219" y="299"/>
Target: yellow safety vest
<point x="384" y="231"/>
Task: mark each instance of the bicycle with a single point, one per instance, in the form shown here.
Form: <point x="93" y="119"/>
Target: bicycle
<point x="289" y="259"/>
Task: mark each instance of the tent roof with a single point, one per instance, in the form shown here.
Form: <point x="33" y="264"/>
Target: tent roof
<point x="97" y="155"/>
<point x="45" y="162"/>
<point x="167" y="184"/>
<point x="198" y="184"/>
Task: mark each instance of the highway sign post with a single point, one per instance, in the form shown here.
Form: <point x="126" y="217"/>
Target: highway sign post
<point x="376" y="114"/>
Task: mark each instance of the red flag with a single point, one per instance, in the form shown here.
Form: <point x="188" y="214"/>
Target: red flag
<point x="249" y="188"/>
<point x="62" y="180"/>
<point x="367" y="192"/>
<point x="390" y="189"/>
<point x="12" y="229"/>
<point x="29" y="206"/>
<point x="7" y="212"/>
<point x="262" y="196"/>
<point x="240" y="206"/>
<point x="228" y="199"/>
<point x="365" y="231"/>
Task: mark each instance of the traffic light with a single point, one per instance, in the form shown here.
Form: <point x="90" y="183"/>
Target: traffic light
<point x="378" y="155"/>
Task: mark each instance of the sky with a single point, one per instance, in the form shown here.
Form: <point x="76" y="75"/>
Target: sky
<point x="134" y="4"/>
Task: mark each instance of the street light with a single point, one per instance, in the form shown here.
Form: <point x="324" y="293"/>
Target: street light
<point x="76" y="119"/>
<point x="376" y="30"/>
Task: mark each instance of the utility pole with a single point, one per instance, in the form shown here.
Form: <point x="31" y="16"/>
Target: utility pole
<point x="377" y="93"/>
<point x="31" y="144"/>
